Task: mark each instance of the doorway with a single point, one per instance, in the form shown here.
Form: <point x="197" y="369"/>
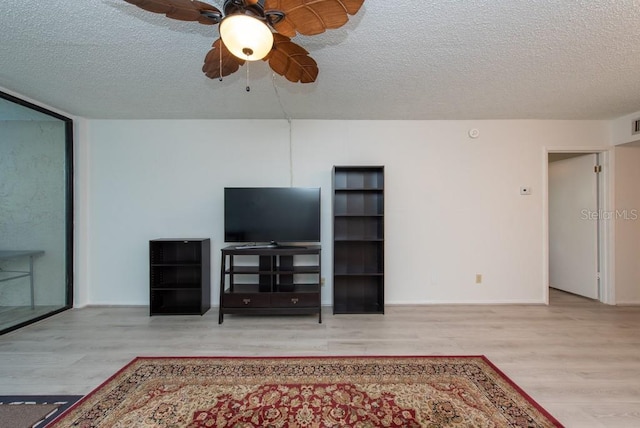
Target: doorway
<point x="577" y="197"/>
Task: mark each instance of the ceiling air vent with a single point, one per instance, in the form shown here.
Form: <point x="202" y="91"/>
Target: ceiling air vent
<point x="635" y="127"/>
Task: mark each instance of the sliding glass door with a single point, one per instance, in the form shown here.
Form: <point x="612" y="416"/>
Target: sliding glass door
<point x="36" y="212"/>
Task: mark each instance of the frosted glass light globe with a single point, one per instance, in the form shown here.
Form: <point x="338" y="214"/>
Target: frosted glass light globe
<point x="246" y="37"/>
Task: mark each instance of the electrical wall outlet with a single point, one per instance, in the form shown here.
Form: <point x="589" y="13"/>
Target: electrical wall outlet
<point x="478" y="278"/>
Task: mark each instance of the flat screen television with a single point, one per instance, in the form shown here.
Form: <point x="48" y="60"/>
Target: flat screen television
<point x="271" y="214"/>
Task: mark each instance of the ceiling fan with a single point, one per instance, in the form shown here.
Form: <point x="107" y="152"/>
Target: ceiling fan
<point x="252" y="30"/>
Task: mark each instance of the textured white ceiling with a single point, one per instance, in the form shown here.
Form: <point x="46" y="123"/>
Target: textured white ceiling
<point x="401" y="59"/>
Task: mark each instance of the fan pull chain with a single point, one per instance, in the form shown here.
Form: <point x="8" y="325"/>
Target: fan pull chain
<point x="221" y="60"/>
<point x="248" y="88"/>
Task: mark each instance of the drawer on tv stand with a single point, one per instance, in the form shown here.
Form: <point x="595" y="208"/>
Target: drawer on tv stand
<point x="294" y="300"/>
<point x="246" y="300"/>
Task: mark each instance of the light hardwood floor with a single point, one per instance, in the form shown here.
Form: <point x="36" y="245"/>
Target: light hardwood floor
<point x="577" y="358"/>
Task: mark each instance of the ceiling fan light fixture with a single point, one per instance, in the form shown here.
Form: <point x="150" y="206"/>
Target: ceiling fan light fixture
<point x="246" y="37"/>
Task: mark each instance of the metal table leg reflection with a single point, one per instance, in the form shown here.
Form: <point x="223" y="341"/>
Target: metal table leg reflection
<point x="8" y="275"/>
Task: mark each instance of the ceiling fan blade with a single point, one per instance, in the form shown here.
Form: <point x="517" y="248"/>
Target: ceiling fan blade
<point x="291" y="60"/>
<point x="230" y="63"/>
<point x="183" y="10"/>
<point x="209" y="15"/>
<point x="310" y="17"/>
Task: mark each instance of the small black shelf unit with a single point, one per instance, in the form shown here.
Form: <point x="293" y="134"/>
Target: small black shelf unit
<point x="180" y="276"/>
<point x="358" y="239"/>
<point x="277" y="280"/>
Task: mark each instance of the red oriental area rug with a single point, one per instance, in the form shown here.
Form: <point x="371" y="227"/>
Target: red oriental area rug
<point x="308" y="392"/>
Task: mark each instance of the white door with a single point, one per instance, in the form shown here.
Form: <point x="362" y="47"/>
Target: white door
<point x="573" y="225"/>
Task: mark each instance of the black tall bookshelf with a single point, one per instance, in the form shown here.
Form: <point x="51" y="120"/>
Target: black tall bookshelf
<point x="358" y="239"/>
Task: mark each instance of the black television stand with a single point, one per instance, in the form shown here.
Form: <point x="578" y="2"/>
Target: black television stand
<point x="275" y="284"/>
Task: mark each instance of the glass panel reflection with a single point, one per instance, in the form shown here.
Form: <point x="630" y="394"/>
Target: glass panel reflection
<point x="34" y="214"/>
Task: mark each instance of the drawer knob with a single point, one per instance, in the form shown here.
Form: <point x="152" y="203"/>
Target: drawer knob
<point x="294" y="300"/>
<point x="246" y="301"/>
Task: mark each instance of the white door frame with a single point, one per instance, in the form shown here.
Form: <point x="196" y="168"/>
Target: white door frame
<point x="607" y="285"/>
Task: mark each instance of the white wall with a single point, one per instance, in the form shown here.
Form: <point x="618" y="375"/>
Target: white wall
<point x="627" y="224"/>
<point x="627" y="199"/>
<point x="621" y="129"/>
<point x="453" y="207"/>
